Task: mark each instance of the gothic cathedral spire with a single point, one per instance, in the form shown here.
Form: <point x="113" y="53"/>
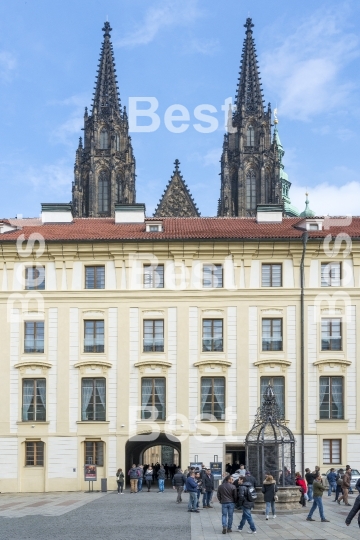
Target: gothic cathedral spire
<point x="251" y="168"/>
<point x="104" y="165"/>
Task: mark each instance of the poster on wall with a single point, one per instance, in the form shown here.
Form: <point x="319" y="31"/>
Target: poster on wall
<point x="216" y="469"/>
<point x="198" y="466"/>
<point x="90" y="473"/>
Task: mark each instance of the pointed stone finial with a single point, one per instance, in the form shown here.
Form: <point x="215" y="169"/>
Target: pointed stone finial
<point x="107" y="29"/>
<point x="249" y="25"/>
<point x="80" y="142"/>
<point x="176" y="163"/>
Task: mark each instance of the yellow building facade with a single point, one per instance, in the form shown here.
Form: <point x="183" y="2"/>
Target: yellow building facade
<point x="120" y="334"/>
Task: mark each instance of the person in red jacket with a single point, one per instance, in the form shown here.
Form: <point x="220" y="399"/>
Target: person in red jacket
<point x="301" y="482"/>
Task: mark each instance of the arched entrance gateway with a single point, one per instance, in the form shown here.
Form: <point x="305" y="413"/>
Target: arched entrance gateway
<point x="138" y="447"/>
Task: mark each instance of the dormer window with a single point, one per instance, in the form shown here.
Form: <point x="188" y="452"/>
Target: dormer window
<point x="250" y="136"/>
<point x="313" y="227"/>
<point x="104" y="140"/>
<point x="154" y="227"/>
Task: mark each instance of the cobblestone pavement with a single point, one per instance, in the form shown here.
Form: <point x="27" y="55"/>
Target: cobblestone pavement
<point x="149" y="516"/>
<point x="207" y="524"/>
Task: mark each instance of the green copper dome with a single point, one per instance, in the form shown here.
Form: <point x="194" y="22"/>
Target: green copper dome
<point x="307" y="213"/>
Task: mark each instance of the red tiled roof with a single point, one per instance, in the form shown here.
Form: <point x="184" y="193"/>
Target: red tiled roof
<point x="105" y="229"/>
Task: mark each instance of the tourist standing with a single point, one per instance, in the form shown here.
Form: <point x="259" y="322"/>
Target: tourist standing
<point x="331" y="477"/>
<point x="269" y="490"/>
<point x="149" y="476"/>
<point x="299" y="481"/>
<point x="339" y="481"/>
<point x="191" y="488"/>
<point x="199" y="482"/>
<point x="120" y="480"/>
<point x="208" y="486"/>
<point x="250" y="478"/>
<point x="140" y="469"/>
<point x="246" y="503"/>
<point x="346" y="481"/>
<point x="178" y="482"/>
<point x="355" y="509"/>
<point x="227" y="496"/>
<point x="318" y="490"/>
<point x="134" y="477"/>
<point x="309" y="477"/>
<point x="241" y="471"/>
<point x="161" y="479"/>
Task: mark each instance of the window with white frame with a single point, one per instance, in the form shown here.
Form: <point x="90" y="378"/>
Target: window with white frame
<point x="153" y="276"/>
<point x="93" y="399"/>
<point x="331" y="274"/>
<point x="212" y="335"/>
<point x="94" y="277"/>
<point x="278" y="385"/>
<point x="271" y="275"/>
<point x="94" y="336"/>
<point x="153" y="398"/>
<point x="213" y="276"/>
<point x="331" y="451"/>
<point x="153" y="335"/>
<point x="331" y="335"/>
<point x="213" y="398"/>
<point x="35" y="278"/>
<point x="34" y="337"/>
<point x="272" y="335"/>
<point x="34" y="400"/>
<point x="331" y="398"/>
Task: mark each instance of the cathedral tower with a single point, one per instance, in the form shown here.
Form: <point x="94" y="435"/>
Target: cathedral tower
<point x="252" y="172"/>
<point x="104" y="164"/>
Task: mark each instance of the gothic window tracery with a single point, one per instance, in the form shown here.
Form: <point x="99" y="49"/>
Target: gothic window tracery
<point x="250" y="185"/>
<point x="104" y="140"/>
<point x="119" y="188"/>
<point x="117" y="142"/>
<point x="250" y="136"/>
<point x="103" y="193"/>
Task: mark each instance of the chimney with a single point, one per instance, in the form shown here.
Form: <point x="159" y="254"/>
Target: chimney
<point x="269" y="213"/>
<point x="130" y="213"/>
<point x="56" y="213"/>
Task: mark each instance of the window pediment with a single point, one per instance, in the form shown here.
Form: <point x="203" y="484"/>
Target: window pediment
<point x="33" y="365"/>
<point x="93" y="364"/>
<point x="332" y="364"/>
<point x="153" y="364"/>
<point x="213" y="363"/>
<point x="272" y="363"/>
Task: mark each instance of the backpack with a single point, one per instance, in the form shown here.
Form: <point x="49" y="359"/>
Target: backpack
<point x="251" y="494"/>
<point x="339" y="481"/>
<point x="133" y="473"/>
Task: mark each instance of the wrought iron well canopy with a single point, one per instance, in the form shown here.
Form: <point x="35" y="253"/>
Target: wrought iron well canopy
<point x="270" y="444"/>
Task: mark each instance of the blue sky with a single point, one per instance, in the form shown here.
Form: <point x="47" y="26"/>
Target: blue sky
<point x="181" y="52"/>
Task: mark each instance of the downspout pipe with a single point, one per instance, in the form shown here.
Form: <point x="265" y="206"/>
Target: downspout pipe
<point x="304" y="239"/>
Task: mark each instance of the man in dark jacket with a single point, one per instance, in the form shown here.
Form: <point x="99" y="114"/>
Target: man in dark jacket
<point x="346" y="481"/>
<point x="178" y="482"/>
<point x="309" y="477"/>
<point x="227" y="496"/>
<point x="331" y="477"/>
<point x="250" y="478"/>
<point x="245" y="504"/>
<point x="208" y="486"/>
<point x="191" y="488"/>
<point x="355" y="509"/>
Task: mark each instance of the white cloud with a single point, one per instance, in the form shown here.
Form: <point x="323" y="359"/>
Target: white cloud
<point x="304" y="71"/>
<point x="202" y="46"/>
<point x="329" y="199"/>
<point x="164" y="14"/>
<point x="65" y="132"/>
<point x="7" y="65"/>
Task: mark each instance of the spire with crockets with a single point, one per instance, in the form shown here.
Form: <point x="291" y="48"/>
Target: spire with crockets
<point x="251" y="166"/>
<point x="249" y="98"/>
<point x="105" y="164"/>
<point x="106" y="95"/>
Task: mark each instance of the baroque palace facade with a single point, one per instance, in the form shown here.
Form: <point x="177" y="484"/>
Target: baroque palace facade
<point x="121" y="332"/>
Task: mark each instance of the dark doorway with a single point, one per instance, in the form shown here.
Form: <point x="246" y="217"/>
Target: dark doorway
<point x="234" y="456"/>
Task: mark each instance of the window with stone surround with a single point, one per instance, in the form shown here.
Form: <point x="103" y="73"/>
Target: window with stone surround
<point x="93" y="399"/>
<point x="94" y="277"/>
<point x="34" y="400"/>
<point x="212" y="276"/>
<point x="212" y="335"/>
<point x="34" y="337"/>
<point x="94" y="336"/>
<point x="34" y="453"/>
<point x="332" y="451"/>
<point x="331" y="274"/>
<point x="94" y="453"/>
<point x="272" y="335"/>
<point x="271" y="275"/>
<point x="35" y="278"/>
<point x="153" y="276"/>
<point x="331" y="402"/>
<point x="278" y="384"/>
<point x="153" y="335"/>
<point x="331" y="335"/>
<point x="212" y="398"/>
<point x="153" y="398"/>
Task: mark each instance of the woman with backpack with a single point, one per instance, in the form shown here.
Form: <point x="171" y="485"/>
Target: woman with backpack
<point x="120" y="480"/>
<point x="149" y="475"/>
<point x="269" y="490"/>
